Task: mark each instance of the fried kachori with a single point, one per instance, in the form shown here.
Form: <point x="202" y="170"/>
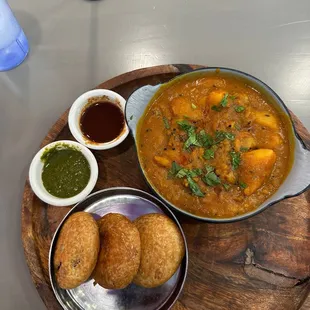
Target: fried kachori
<point x="119" y="256"/>
<point x="76" y="250"/>
<point x="162" y="249"/>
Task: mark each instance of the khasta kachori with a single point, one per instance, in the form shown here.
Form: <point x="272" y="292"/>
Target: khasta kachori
<point x="76" y="250"/>
<point x="119" y="256"/>
<point x="162" y="249"/>
<point x="116" y="252"/>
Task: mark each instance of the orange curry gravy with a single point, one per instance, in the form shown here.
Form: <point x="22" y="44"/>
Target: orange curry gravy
<point x="212" y="145"/>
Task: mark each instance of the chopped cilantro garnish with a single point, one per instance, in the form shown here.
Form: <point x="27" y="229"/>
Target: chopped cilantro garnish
<point x="222" y="135"/>
<point x="235" y="159"/>
<point x="229" y="136"/>
<point x="226" y="186"/>
<point x="166" y="123"/>
<point x="209" y="168"/>
<point x="208" y="154"/>
<point x="188" y="173"/>
<point x="244" y="149"/>
<point x="202" y="139"/>
<point x="197" y="172"/>
<point x="175" y="168"/>
<point x="179" y="172"/>
<point x="211" y="179"/>
<point x="224" y="101"/>
<point x="219" y="136"/>
<point x="205" y="139"/>
<point x="239" y="108"/>
<point x="182" y="173"/>
<point x="216" y="108"/>
<point x="242" y="185"/>
<point x="185" y="125"/>
<point x="192" y="138"/>
<point x="221" y="105"/>
<point x="194" y="187"/>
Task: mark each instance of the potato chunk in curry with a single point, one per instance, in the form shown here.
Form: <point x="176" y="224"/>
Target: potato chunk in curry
<point x="273" y="141"/>
<point x="244" y="141"/>
<point x="266" y="119"/>
<point x="255" y="168"/>
<point x="184" y="107"/>
<point x="213" y="146"/>
<point x="215" y="97"/>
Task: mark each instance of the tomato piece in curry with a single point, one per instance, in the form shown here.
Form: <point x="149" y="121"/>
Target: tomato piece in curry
<point x="213" y="146"/>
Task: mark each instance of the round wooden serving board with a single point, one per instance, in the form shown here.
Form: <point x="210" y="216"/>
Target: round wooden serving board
<point x="259" y="263"/>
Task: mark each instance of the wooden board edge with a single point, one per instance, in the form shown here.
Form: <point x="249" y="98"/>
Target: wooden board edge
<point x="26" y="232"/>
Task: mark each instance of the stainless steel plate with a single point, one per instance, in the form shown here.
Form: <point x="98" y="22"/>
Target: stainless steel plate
<point x="131" y="203"/>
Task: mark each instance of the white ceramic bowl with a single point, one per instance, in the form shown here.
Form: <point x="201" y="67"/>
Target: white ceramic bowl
<point x="75" y="114"/>
<point x="35" y="176"/>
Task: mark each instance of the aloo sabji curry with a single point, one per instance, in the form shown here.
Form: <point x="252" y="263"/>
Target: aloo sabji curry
<point x="213" y="146"/>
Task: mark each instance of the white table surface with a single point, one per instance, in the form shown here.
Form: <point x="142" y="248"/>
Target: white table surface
<point x="77" y="44"/>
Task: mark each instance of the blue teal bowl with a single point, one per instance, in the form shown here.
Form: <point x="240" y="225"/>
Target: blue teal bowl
<point x="296" y="182"/>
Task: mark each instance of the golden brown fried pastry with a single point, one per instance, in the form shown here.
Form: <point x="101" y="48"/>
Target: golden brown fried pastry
<point x="162" y="249"/>
<point x="119" y="256"/>
<point x="76" y="250"/>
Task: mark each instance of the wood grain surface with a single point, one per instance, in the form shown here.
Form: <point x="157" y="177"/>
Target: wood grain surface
<point x="259" y="263"/>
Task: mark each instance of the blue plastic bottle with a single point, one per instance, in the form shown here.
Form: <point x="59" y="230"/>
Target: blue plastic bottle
<point x="13" y="42"/>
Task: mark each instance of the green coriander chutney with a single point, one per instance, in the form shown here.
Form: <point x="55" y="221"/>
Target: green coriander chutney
<point x="66" y="171"/>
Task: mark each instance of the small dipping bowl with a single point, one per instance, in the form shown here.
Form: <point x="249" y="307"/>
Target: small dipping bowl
<point x="36" y="169"/>
<point x="82" y="103"/>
